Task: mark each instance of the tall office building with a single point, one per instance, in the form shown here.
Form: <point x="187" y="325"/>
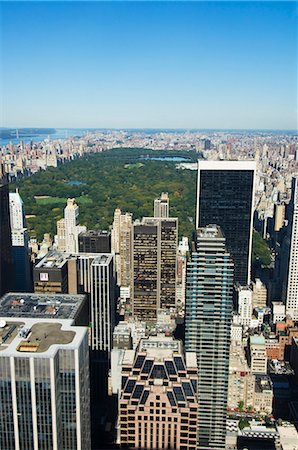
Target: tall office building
<point x="226" y="197"/>
<point x="44" y="374"/>
<point x="68" y="229"/>
<point x="158" y="404"/>
<point x="290" y="263"/>
<point x="95" y="241"/>
<point x="245" y="305"/>
<point x="102" y="302"/>
<point x="154" y="266"/>
<point x="20" y="241"/>
<point x="6" y="258"/>
<point x="209" y="286"/>
<point x="122" y="246"/>
<point x="162" y="206"/>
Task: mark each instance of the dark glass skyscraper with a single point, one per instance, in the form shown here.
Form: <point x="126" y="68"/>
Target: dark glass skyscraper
<point x="6" y="260"/>
<point x="225" y="197"/>
<point x="209" y="285"/>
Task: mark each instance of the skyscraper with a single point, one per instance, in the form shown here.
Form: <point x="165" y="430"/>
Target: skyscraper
<point x="44" y="374"/>
<point x="225" y="196"/>
<point x="161" y="206"/>
<point x="102" y="302"/>
<point x="20" y="240"/>
<point x="6" y="259"/>
<point x="122" y="246"/>
<point x="68" y="229"/>
<point x="158" y="401"/>
<point x="154" y="266"/>
<point x="209" y="287"/>
<point x="290" y="257"/>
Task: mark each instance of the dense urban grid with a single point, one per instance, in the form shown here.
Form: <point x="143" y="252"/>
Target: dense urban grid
<point x="140" y="336"/>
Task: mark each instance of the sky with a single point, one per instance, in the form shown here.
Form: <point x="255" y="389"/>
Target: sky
<point x="149" y="64"/>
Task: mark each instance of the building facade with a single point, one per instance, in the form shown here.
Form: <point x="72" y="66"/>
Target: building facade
<point x="154" y="266"/>
<point x="162" y="206"/>
<point x="226" y="197"/>
<point x="209" y="285"/>
<point x="6" y="259"/>
<point x="158" y="402"/>
<point x="44" y="385"/>
<point x="95" y="241"/>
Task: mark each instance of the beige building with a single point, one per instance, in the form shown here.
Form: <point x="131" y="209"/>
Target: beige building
<point x="122" y="246"/>
<point x="279" y="216"/>
<point x="259" y="294"/>
<point x="158" y="402"/>
<point x="241" y="381"/>
<point x="258" y="356"/>
<point x="162" y="206"/>
<point x="263" y="395"/>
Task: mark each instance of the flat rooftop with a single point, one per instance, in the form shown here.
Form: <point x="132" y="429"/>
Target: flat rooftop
<point x="210" y="231"/>
<point x="29" y="337"/>
<point x="43" y="306"/>
<point x="55" y="259"/>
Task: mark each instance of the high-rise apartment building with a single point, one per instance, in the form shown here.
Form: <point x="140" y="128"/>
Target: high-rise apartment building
<point x="158" y="405"/>
<point x="20" y="241"/>
<point x="44" y="374"/>
<point x="226" y="197"/>
<point x="290" y="263"/>
<point x="209" y="286"/>
<point x="154" y="266"/>
<point x="6" y="259"/>
<point x="68" y="229"/>
<point x="95" y="241"/>
<point x="162" y="206"/>
<point x="122" y="235"/>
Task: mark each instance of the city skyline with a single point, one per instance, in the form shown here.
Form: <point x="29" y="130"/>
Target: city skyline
<point x="150" y="65"/>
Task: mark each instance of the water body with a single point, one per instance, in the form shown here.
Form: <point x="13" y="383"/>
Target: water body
<point x="74" y="183"/>
<point x="166" y="158"/>
<point x="59" y="134"/>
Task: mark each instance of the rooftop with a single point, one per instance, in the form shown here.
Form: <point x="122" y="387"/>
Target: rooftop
<point x="227" y="165"/>
<point x="210" y="231"/>
<point x="31" y="337"/>
<point x="95" y="233"/>
<point x="46" y="306"/>
<point x="257" y="340"/>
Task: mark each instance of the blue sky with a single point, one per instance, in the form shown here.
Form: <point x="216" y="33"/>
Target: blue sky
<point x="155" y="64"/>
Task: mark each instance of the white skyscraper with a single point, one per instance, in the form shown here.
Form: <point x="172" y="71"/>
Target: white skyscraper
<point x="245" y="305"/>
<point x="16" y="210"/>
<point x="68" y="229"/>
<point x="20" y="240"/>
<point x="291" y="266"/>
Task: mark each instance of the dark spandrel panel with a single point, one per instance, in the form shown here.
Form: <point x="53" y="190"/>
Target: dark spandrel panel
<point x="144" y="397"/>
<point x="179" y="394"/>
<point x="138" y="391"/>
<point x="123" y="381"/>
<point x="187" y="389"/>
<point x="129" y="386"/>
<point x="158" y="371"/>
<point x="194" y="385"/>
<point x="179" y="363"/>
<point x="170" y="368"/>
<point x="171" y="398"/>
<point x="139" y="362"/>
<point x="147" y="366"/>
